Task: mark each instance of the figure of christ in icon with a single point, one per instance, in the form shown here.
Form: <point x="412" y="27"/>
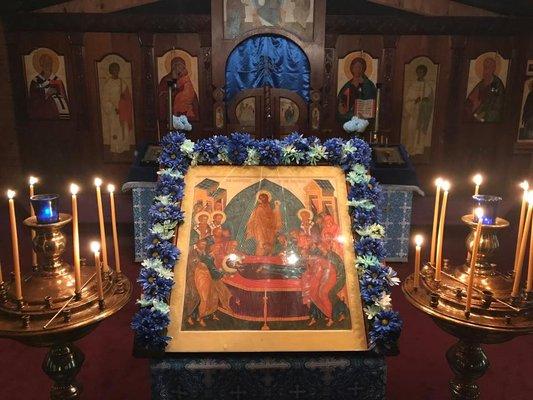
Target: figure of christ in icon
<point x="268" y="258"/>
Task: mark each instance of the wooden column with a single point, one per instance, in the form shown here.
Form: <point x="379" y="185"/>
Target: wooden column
<point x="146" y="41"/>
<point x="386" y="77"/>
<point x="75" y="40"/>
<point x="455" y="102"/>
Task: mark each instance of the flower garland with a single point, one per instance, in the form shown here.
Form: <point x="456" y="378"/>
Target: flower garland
<point x="179" y="154"/>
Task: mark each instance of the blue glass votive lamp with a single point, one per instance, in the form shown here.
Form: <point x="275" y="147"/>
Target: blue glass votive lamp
<point x="46" y="208"/>
<point x="489" y="204"/>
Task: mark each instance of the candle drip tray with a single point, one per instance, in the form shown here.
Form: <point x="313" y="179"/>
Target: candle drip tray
<point x="445" y="301"/>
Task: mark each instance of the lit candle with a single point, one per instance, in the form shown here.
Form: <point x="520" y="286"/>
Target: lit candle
<point x="525" y="187"/>
<point x="440" y="236"/>
<point x="111" y="190"/>
<point x="438" y="184"/>
<point x="522" y="250"/>
<point x="32" y="182"/>
<point x="95" y="248"/>
<point x="98" y="183"/>
<point x="529" y="285"/>
<point x="473" y="256"/>
<point x="418" y="243"/>
<point x="478" y="180"/>
<point x="378" y="100"/>
<point x="15" y="245"/>
<point x="76" y="237"/>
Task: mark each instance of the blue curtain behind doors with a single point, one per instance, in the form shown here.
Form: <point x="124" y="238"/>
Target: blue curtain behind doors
<point x="267" y="60"/>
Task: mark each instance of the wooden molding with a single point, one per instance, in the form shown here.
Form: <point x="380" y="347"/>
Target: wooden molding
<point x="335" y="24"/>
<point x="93" y="6"/>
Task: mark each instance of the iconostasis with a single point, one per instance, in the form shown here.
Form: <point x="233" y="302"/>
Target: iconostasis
<point x="91" y="92"/>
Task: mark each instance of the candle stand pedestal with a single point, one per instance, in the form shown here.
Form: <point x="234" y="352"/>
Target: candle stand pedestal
<point x="51" y="314"/>
<point x="495" y="317"/>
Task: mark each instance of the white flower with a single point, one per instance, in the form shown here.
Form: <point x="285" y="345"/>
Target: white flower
<point x="375" y="231"/>
<point x="164" y="273"/>
<point x="364" y="204"/>
<point x="371" y="311"/>
<point x="160" y="306"/>
<point x="317" y="153"/>
<point x="154" y="263"/>
<point x="392" y="277"/>
<point x="164" y="199"/>
<point x="384" y="301"/>
<point x="170" y="172"/>
<point x="253" y="157"/>
<point x="187" y="147"/>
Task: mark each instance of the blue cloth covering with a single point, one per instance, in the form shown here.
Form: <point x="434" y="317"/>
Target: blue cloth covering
<point x="292" y="376"/>
<point x="267" y="60"/>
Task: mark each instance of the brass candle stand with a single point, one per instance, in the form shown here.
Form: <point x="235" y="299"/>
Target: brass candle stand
<point x="495" y="316"/>
<point x="51" y="314"/>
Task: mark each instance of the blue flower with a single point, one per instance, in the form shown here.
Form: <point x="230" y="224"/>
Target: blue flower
<point x="370" y="246"/>
<point x="366" y="217"/>
<point x="165" y="251"/>
<point x="207" y="150"/>
<point x="269" y="152"/>
<point x="237" y="148"/>
<point x="386" y="327"/>
<point x="171" y="186"/>
<point x="153" y="285"/>
<point x="160" y="212"/>
<point x="334" y="149"/>
<point x="148" y="326"/>
<point x="370" y="289"/>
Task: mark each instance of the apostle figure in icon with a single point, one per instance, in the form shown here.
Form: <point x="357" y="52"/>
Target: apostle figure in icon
<point x="417" y="112"/>
<point x="47" y="96"/>
<point x="117" y="108"/>
<point x="485" y="101"/>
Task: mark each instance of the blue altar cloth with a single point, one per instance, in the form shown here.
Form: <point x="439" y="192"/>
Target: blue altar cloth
<point x="291" y="376"/>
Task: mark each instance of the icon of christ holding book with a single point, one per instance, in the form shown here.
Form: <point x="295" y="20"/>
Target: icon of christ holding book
<point x="264" y="224"/>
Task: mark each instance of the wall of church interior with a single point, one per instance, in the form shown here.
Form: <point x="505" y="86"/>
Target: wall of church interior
<point x="90" y="56"/>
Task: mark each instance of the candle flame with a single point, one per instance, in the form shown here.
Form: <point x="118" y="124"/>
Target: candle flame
<point x="446" y="186"/>
<point x="477" y="179"/>
<point x="419" y="239"/>
<point x="439" y="181"/>
<point x="524" y="185"/>
<point x="479" y="212"/>
<point x="74" y="189"/>
<point x="33" y="180"/>
<point x="95" y="247"/>
<point x="10" y="194"/>
<point x="110" y="188"/>
<point x="97" y="182"/>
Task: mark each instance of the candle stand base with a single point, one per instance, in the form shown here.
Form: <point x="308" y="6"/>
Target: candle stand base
<point x="62" y="364"/>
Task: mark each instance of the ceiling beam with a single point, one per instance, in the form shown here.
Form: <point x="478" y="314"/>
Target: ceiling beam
<point x="93" y="6"/>
<point x="436" y="8"/>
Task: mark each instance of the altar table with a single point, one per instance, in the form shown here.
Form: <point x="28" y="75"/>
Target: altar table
<point x="337" y="376"/>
